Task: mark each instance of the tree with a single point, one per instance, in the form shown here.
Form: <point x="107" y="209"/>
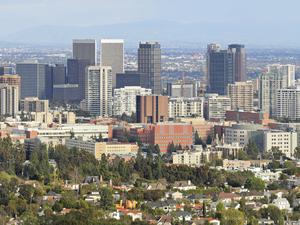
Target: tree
<point x="100" y="138"/>
<point x="242" y="155"/>
<point x="209" y="140"/>
<point x="252" y="150"/>
<point x="277" y="154"/>
<point x="171" y="148"/>
<point x="232" y="217"/>
<point x="236" y="179"/>
<point x="198" y="140"/>
<point x="106" y="201"/>
<point x="274" y="213"/>
<point x="255" y="183"/>
<point x="297" y="153"/>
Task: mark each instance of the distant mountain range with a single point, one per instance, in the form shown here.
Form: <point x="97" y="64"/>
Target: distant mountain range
<point x="170" y="34"/>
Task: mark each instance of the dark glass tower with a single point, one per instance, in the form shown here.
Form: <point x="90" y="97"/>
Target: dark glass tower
<point x="85" y="49"/>
<point x="239" y="61"/>
<point x="33" y="79"/>
<point x="225" y="67"/>
<point x="76" y="74"/>
<point x="149" y="63"/>
<point x="220" y="71"/>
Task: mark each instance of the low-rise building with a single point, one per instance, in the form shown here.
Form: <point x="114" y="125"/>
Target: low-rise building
<point x="230" y="150"/>
<point x="195" y="157"/>
<point x="217" y="106"/>
<point x="164" y="134"/>
<point x="243" y="133"/>
<point x="285" y="142"/>
<point x="248" y="117"/>
<point x="186" y="107"/>
<point x="99" y="148"/>
<point x="124" y="100"/>
<point x="236" y="164"/>
<point x="184" y="185"/>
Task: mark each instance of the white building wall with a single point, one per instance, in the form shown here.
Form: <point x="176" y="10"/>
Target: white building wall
<point x="124" y="100"/>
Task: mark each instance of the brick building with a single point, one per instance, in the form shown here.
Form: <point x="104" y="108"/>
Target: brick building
<point x="152" y="109"/>
<point x="163" y="134"/>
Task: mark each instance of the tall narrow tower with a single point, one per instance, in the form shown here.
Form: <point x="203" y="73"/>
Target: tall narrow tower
<point x="149" y="63"/>
<point x="112" y="54"/>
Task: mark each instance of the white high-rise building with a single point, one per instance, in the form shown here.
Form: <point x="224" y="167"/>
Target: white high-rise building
<point x="288" y="103"/>
<point x="124" y="100"/>
<point x="9" y="99"/>
<point x="217" y="105"/>
<point x="287" y="70"/>
<point x="241" y="95"/>
<point x="186" y="107"/>
<point x="112" y="54"/>
<point x="98" y="91"/>
<point x="269" y="83"/>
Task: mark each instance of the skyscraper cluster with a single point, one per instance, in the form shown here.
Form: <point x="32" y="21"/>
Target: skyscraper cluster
<point x="85" y="80"/>
<point x="225" y="66"/>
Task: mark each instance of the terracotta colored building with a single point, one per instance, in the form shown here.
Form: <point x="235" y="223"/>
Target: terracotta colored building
<point x="163" y="134"/>
<point x="11" y="80"/>
<point x="249" y="117"/>
<point x="152" y="109"/>
<point x="204" y="128"/>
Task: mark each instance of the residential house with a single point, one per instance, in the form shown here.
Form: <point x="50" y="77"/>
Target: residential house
<point x="184" y="185"/>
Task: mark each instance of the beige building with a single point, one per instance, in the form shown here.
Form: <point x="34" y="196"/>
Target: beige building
<point x="217" y="105"/>
<point x="241" y="95"/>
<point x="99" y="148"/>
<point x="98" y="90"/>
<point x="286" y="142"/>
<point x="34" y="104"/>
<point x="195" y="157"/>
<point x="287" y="70"/>
<point x="288" y="103"/>
<point x="236" y="164"/>
<point x="9" y="99"/>
<point x="186" y="107"/>
<point x="230" y="150"/>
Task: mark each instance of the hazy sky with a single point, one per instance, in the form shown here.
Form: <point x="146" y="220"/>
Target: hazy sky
<point x="20" y="14"/>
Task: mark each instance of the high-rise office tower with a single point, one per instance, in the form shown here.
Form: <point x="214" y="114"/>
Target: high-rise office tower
<point x="241" y="95"/>
<point x="11" y="80"/>
<point x="33" y="79"/>
<point x="76" y="74"/>
<point x="85" y="49"/>
<point x="131" y="78"/>
<point x="9" y="99"/>
<point x="220" y="70"/>
<point x="225" y="67"/>
<point x="149" y="62"/>
<point x="59" y="74"/>
<point x="152" y="109"/>
<point x="269" y="83"/>
<point x="288" y="103"/>
<point x="239" y="61"/>
<point x="55" y="74"/>
<point x="287" y="70"/>
<point x="98" y="93"/>
<point x="112" y="54"/>
<point x="10" y="94"/>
